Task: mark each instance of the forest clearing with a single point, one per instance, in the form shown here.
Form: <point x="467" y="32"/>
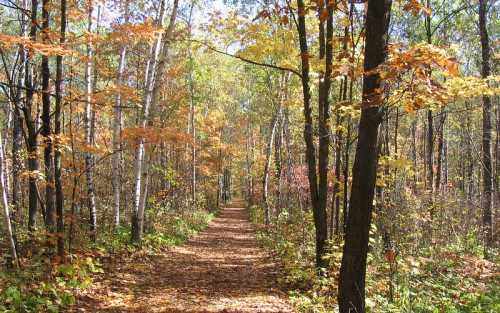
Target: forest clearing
<point x="302" y="156"/>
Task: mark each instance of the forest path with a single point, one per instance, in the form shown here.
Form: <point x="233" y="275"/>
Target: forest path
<point x="222" y="269"/>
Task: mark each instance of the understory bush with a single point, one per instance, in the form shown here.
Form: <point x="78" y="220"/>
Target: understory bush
<point x="451" y="279"/>
<point x="45" y="286"/>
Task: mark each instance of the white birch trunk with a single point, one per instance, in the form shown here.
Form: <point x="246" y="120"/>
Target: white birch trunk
<point x="89" y="136"/>
<point x="117" y="129"/>
<point x="5" y="204"/>
<point x="138" y="215"/>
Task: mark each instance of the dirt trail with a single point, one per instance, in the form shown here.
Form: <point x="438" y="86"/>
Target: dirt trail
<point x="222" y="269"/>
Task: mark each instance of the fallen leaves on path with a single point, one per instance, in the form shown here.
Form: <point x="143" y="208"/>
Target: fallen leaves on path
<point x="221" y="270"/>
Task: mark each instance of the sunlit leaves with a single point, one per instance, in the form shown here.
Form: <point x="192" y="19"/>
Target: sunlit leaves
<point x="417" y="75"/>
<point x="134" y="33"/>
<point x="155" y="135"/>
<point x="9" y="42"/>
<point x="415" y="7"/>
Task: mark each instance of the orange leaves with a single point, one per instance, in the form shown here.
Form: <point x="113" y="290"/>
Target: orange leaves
<point x="419" y="71"/>
<point x="107" y="97"/>
<point x="135" y="32"/>
<point x="262" y="14"/>
<point x="415" y="7"/>
<point x="9" y="41"/>
<point x="420" y="58"/>
<point x="323" y="15"/>
<point x="156" y="135"/>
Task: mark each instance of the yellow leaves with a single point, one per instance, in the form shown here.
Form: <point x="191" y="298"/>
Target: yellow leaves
<point x="470" y="86"/>
<point x="345" y="21"/>
<point x="9" y="41"/>
<point x="38" y="175"/>
<point x="390" y="168"/>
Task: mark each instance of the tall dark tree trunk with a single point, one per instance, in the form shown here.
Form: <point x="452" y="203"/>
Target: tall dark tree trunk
<point x="353" y="268"/>
<point x="486" y="136"/>
<point x="430" y="122"/>
<point x="347" y="149"/>
<point x="335" y="219"/>
<point x="308" y="134"/>
<point x="57" y="134"/>
<point x="32" y="140"/>
<point x="440" y="151"/>
<point x="318" y="186"/>
<point x="429" y="152"/>
<point x="414" y="152"/>
<point x="46" y="131"/>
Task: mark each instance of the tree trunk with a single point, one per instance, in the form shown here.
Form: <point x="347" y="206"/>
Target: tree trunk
<point x="414" y="152"/>
<point x="267" y="168"/>
<point x="57" y="134"/>
<point x="249" y="163"/>
<point x="486" y="135"/>
<point x="278" y="162"/>
<point x="335" y="214"/>
<point x="318" y="189"/>
<point x="353" y="268"/>
<point x="17" y="132"/>
<point x="117" y="129"/>
<point x="89" y="135"/>
<point x="5" y="204"/>
<point x="46" y="131"/>
<point x="32" y="140"/>
<point x="429" y="152"/>
<point x="154" y="69"/>
<point x="430" y="122"/>
<point x="440" y="150"/>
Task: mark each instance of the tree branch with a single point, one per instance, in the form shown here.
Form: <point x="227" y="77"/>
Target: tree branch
<point x="276" y="67"/>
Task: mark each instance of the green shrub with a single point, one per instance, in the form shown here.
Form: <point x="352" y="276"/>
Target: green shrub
<point x="29" y="291"/>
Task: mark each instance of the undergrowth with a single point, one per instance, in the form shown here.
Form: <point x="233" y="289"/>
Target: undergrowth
<point x="445" y="280"/>
<point x="45" y="286"/>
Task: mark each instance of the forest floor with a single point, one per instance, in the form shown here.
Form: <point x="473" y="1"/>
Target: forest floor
<point x="222" y="269"/>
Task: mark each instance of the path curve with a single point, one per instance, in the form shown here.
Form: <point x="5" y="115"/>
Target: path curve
<point x="222" y="269"/>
